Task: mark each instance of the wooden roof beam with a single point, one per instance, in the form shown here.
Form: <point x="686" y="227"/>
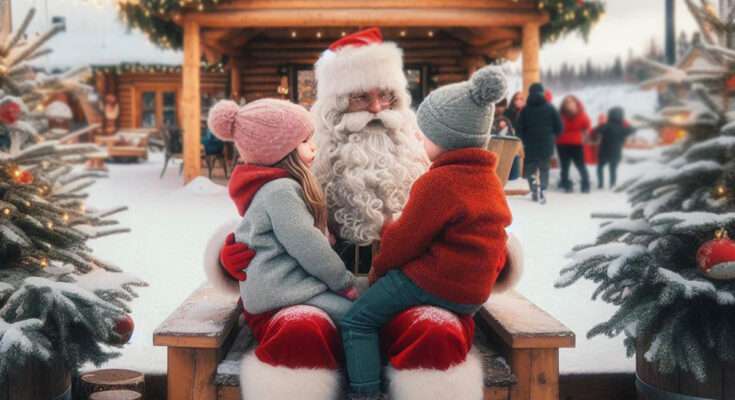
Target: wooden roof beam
<point x="336" y="4"/>
<point x="400" y="17"/>
<point x="481" y="37"/>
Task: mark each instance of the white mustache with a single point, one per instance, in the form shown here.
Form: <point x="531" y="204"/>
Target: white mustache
<point x="357" y="121"/>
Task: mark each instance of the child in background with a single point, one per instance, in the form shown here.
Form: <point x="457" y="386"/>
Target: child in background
<point x="448" y="246"/>
<point x="283" y="209"/>
<point x="612" y="138"/>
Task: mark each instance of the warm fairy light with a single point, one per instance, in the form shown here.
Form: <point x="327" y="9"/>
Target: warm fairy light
<point x="66" y="218"/>
<point x="6" y="211"/>
<point x="403" y="33"/>
<point x="17" y="173"/>
<point x="44" y="262"/>
<point x="82" y="208"/>
<point x="720" y="191"/>
<point x="319" y="35"/>
<point x="50" y="225"/>
<point x="431" y="33"/>
<point x="293" y="34"/>
<point x="343" y="34"/>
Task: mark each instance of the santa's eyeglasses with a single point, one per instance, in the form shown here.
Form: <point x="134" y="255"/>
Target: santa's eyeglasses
<point x="386" y="98"/>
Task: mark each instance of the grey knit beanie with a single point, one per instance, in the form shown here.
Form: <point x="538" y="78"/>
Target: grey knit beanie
<point x="461" y="114"/>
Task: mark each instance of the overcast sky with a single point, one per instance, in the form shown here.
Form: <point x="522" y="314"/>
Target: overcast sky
<point x="95" y="36"/>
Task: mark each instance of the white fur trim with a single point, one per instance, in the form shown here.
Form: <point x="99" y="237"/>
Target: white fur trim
<point x="216" y="276"/>
<point x="464" y="381"/>
<point x="361" y="68"/>
<point x="260" y="381"/>
<point x="513" y="271"/>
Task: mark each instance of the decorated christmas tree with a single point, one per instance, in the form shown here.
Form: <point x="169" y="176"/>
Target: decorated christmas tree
<point x="58" y="303"/>
<point x="670" y="265"/>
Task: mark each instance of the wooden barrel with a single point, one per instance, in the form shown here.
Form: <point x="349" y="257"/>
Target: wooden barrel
<point x="37" y="381"/>
<point x="506" y="148"/>
<point x="653" y="385"/>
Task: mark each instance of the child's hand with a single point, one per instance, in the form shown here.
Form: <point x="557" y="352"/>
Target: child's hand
<point x="350" y="293"/>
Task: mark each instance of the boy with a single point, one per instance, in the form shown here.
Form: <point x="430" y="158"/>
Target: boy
<point x="448" y="245"/>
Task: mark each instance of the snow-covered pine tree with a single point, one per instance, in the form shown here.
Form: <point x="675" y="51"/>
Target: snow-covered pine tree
<point x="669" y="265"/>
<point x="57" y="301"/>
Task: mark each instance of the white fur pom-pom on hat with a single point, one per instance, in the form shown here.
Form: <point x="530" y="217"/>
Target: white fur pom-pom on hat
<point x="488" y="86"/>
<point x="221" y="120"/>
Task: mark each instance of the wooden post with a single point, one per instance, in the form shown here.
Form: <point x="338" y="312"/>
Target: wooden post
<point x="190" y="101"/>
<point x="531" y="45"/>
<point x="235" y="79"/>
<point x="6" y="21"/>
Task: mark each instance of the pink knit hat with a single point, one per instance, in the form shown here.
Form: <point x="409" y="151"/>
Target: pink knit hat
<point x="264" y="131"/>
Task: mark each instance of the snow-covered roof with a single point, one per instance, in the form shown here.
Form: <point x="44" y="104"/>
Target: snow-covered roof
<point x="94" y="35"/>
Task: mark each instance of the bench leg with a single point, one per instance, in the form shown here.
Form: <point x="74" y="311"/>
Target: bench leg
<point x="537" y="372"/>
<point x="191" y="374"/>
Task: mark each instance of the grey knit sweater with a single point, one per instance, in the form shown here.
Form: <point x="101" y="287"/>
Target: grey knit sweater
<point x="294" y="261"/>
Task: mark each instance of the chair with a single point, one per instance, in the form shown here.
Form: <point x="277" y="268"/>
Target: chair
<point x="172" y="146"/>
<point x="214" y="149"/>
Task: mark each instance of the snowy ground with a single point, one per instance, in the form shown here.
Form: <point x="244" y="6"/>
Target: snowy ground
<point x="171" y="225"/>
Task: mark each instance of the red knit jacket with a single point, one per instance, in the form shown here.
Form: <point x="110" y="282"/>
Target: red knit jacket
<point x="575" y="126"/>
<point x="450" y="239"/>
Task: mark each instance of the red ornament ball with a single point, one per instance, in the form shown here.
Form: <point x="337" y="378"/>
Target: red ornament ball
<point x="124" y="329"/>
<point x="9" y="112"/>
<point x="25" y="178"/>
<point x="716" y="257"/>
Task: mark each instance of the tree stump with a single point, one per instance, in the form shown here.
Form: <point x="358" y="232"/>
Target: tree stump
<point x="116" y="395"/>
<point x="111" y="379"/>
<point x="38" y="381"/>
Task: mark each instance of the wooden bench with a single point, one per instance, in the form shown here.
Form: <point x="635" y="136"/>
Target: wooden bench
<point x="206" y="340"/>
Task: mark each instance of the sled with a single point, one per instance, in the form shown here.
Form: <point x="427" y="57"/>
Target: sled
<point x="205" y="338"/>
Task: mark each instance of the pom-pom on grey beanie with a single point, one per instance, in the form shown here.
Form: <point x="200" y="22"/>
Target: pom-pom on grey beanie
<point x="461" y="114"/>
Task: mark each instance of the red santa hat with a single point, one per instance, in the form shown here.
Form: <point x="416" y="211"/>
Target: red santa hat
<point x="360" y="62"/>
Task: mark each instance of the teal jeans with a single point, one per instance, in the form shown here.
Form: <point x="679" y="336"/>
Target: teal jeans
<point x="390" y="295"/>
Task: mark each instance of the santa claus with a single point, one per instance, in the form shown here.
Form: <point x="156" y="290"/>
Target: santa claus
<point x="368" y="158"/>
<point x="369" y="153"/>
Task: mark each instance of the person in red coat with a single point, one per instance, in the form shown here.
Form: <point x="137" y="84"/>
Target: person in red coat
<point x="570" y="144"/>
<point x="448" y="246"/>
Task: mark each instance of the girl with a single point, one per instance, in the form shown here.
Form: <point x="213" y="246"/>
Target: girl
<point x="513" y="112"/>
<point x="569" y="144"/>
<point x="612" y="138"/>
<point x="283" y="209"/>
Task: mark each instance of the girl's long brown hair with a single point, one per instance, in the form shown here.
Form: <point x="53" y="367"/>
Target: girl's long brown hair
<point x="313" y="194"/>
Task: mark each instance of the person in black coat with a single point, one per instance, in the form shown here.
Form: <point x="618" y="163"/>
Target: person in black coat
<point x="612" y="138"/>
<point x="538" y="126"/>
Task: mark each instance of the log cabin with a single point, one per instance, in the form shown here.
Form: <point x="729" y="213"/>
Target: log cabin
<point x="267" y="49"/>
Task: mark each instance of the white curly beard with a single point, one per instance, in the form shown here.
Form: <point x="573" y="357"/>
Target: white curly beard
<point x="366" y="164"/>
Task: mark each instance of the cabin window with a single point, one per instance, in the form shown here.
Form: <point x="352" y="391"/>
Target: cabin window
<point x="306" y="87"/>
<point x="148" y="110"/>
<point x="169" y="108"/>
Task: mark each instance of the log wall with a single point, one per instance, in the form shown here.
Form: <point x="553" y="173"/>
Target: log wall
<point x="260" y="61"/>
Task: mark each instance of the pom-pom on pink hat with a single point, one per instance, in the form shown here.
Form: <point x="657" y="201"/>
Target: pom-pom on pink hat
<point x="264" y="131"/>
